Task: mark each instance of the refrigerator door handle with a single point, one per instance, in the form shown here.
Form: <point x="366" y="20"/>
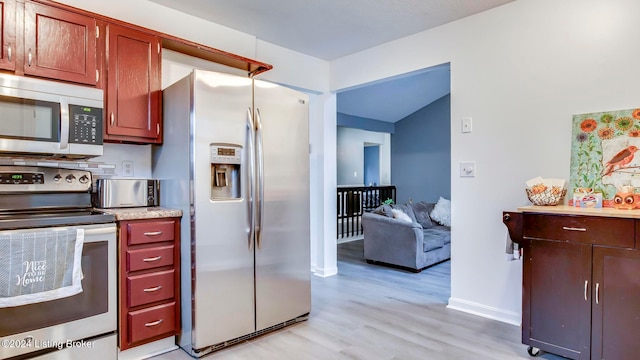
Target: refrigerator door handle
<point x="260" y="170"/>
<point x="251" y="181"/>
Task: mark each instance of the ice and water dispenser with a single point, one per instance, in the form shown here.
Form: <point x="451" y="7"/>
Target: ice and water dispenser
<point x="226" y="160"/>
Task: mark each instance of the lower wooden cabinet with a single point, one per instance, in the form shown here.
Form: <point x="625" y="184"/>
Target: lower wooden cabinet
<point x="616" y="305"/>
<point x="581" y="284"/>
<point x="149" y="281"/>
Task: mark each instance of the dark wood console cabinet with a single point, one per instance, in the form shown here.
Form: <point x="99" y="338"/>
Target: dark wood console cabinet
<point x="581" y="281"/>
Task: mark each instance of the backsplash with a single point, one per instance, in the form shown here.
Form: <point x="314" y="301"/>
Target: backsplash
<point x="118" y="161"/>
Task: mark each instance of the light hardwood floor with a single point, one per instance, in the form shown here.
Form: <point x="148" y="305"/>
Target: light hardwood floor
<point x="374" y="312"/>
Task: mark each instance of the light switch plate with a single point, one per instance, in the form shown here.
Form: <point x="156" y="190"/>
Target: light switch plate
<point x="466" y="125"/>
<point x="467" y="168"/>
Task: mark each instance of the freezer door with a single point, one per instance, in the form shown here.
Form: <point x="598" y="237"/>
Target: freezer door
<point x="282" y="247"/>
<point x="223" y="289"/>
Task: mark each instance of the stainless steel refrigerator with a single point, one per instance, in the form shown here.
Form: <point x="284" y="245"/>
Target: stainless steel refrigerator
<point x="235" y="159"/>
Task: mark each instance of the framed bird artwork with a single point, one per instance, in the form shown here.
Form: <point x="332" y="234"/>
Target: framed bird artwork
<point x="604" y="152"/>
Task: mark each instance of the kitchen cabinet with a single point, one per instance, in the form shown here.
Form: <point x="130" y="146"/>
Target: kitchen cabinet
<point x="133" y="87"/>
<point x="616" y="309"/>
<point x="580" y="289"/>
<point x="149" y="281"/>
<point x="8" y="35"/>
<point x="59" y="44"/>
<point x="49" y="42"/>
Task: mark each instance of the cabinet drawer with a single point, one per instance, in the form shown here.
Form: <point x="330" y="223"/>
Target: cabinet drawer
<point x="147" y="288"/>
<point x="150" y="232"/>
<point x="149" y="258"/>
<point x="154" y="321"/>
<point x="581" y="229"/>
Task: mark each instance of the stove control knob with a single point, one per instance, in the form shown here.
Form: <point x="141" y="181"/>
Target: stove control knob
<point x="57" y="178"/>
<point x="84" y="179"/>
<point x="70" y="178"/>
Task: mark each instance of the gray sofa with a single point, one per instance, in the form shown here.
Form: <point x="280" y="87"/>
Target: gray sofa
<point x="411" y="245"/>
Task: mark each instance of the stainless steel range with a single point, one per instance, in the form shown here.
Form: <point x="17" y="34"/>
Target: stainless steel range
<point x="57" y="267"/>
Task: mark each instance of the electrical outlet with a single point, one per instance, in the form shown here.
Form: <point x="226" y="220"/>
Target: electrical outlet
<point x="127" y="168"/>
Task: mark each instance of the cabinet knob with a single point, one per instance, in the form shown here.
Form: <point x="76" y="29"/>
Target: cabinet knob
<point x="112" y="118"/>
<point x="9" y="53"/>
<point x="29" y="58"/>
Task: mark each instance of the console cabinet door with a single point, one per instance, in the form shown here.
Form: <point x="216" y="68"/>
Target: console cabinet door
<point x="616" y="303"/>
<point x="133" y="86"/>
<point x="8" y="35"/>
<point x="557" y="283"/>
<point x="59" y="44"/>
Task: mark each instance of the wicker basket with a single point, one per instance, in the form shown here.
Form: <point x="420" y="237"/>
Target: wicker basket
<point x="546" y="197"/>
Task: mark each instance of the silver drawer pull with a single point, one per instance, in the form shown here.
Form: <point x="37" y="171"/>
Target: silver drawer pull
<point x="586" y="285"/>
<point x="573" y="228"/>
<point x="152" y="259"/>
<point x="154" y="323"/>
<point x="153" y="233"/>
<point x="153" y="289"/>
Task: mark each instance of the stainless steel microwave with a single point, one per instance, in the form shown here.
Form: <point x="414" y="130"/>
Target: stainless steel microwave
<point x="47" y="118"/>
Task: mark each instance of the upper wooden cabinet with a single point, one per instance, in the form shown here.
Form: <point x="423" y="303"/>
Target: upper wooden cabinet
<point x="59" y="44"/>
<point x="8" y="36"/>
<point x="133" y="86"/>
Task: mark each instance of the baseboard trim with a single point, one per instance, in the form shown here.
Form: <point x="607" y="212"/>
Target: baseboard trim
<point x="488" y="312"/>
<point x="325" y="272"/>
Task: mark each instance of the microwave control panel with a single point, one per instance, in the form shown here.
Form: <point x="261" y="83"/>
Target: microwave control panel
<point x="85" y="125"/>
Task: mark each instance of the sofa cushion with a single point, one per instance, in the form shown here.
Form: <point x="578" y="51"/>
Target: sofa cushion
<point x="438" y="232"/>
<point x="431" y="243"/>
<point x="421" y="211"/>
<point x="384" y="210"/>
<point x="405" y="209"/>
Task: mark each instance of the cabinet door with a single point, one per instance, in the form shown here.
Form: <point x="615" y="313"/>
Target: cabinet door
<point x="59" y="44"/>
<point x="558" y="304"/>
<point x="133" y="86"/>
<point x="616" y="303"/>
<point x="8" y="35"/>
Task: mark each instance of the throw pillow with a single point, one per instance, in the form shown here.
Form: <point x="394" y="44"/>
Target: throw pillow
<point x="421" y="210"/>
<point x="405" y="209"/>
<point x="384" y="210"/>
<point x="442" y="212"/>
<point x="400" y="215"/>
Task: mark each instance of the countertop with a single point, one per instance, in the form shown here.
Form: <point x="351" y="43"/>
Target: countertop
<point x="138" y="213"/>
<point x="572" y="210"/>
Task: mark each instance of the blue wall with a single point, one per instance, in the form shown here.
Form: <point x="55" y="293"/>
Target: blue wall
<point x="372" y="165"/>
<point x="421" y="153"/>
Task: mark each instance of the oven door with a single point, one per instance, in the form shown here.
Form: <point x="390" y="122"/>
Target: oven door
<point x="57" y="323"/>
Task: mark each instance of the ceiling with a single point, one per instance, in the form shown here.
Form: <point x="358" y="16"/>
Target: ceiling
<point x="330" y="29"/>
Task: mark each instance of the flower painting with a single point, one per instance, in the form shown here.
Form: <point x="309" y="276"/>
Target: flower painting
<point x="603" y="152"/>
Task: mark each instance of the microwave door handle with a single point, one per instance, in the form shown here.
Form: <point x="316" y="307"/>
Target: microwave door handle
<point x="64" y="122"/>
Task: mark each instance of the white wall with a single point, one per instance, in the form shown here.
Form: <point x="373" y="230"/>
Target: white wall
<point x="520" y="70"/>
<point x="350" y="155"/>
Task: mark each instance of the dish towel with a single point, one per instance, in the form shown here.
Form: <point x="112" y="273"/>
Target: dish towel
<point x="40" y="265"/>
<point x="512" y="250"/>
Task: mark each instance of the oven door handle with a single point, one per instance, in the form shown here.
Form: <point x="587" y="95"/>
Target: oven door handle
<point x="100" y="231"/>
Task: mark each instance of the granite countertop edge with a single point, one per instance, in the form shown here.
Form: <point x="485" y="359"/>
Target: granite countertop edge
<point x="138" y="213"/>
